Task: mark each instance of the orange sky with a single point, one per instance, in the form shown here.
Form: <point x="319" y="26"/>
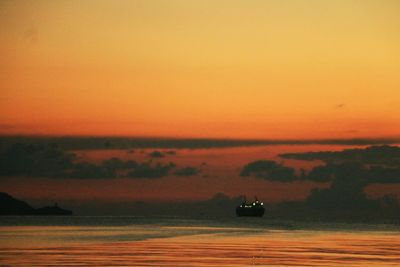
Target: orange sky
<point x="244" y="69"/>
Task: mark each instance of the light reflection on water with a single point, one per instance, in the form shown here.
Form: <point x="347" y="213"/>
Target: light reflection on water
<point x="201" y="245"/>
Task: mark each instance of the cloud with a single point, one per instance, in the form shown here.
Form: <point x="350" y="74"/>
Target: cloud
<point x="34" y="160"/>
<point x="345" y="198"/>
<point x="381" y="155"/>
<point x="269" y="170"/>
<point x="74" y="143"/>
<point x="147" y="170"/>
<point x="354" y="170"/>
<point x="332" y="172"/>
<point x="338" y="106"/>
<point x="346" y="191"/>
<point x="53" y="162"/>
<point x="375" y="164"/>
<point x="368" y="174"/>
<point x="118" y="164"/>
<point x="321" y="174"/>
<point x="383" y="175"/>
<point x="156" y="154"/>
<point x="187" y="171"/>
<point x="370" y="168"/>
<point x="85" y="170"/>
<point x="159" y="154"/>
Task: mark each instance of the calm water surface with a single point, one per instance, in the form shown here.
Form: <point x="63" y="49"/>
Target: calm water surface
<point x="132" y="241"/>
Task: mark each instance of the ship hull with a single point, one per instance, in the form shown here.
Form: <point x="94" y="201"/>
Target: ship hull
<point x="250" y="212"/>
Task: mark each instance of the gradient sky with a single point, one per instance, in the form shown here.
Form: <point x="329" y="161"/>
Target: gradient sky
<point x="243" y="69"/>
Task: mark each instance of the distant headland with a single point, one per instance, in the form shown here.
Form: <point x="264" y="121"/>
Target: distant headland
<point x="11" y="206"/>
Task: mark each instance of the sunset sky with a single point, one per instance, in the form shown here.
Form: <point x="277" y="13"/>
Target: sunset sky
<point x="236" y="69"/>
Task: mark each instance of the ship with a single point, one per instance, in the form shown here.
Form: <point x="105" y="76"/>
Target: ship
<point x="255" y="209"/>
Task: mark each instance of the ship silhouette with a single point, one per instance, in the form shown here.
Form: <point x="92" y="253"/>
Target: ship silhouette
<point x="254" y="209"/>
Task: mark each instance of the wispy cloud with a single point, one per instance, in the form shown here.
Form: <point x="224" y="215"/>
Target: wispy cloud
<point x="339" y="106"/>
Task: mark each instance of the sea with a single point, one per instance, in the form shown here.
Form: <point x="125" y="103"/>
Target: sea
<point x="178" y="241"/>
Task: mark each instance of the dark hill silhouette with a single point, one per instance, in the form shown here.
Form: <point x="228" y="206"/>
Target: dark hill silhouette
<point x="11" y="206"/>
<point x="52" y="210"/>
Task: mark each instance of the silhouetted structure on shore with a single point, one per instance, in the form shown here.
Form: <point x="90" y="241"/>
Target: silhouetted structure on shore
<point x="12" y="206"/>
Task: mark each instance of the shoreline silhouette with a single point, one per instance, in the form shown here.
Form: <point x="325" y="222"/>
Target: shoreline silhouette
<point x="12" y="206"/>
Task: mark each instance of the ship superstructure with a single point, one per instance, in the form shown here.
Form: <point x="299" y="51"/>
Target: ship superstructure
<point x="254" y="209"/>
